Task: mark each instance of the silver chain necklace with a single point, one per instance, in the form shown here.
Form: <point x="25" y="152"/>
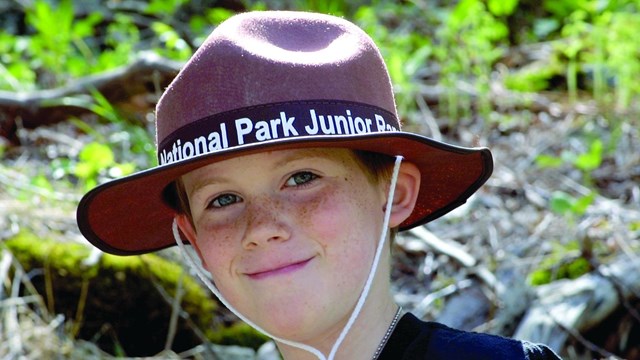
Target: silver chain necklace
<point x="384" y="340"/>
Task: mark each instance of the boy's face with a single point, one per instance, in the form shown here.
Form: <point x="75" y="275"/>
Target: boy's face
<point x="289" y="236"/>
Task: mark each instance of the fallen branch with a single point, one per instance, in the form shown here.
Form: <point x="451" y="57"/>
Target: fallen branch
<point x="149" y="73"/>
<point x="427" y="241"/>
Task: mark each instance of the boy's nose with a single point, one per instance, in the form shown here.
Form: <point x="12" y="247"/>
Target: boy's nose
<point x="265" y="223"/>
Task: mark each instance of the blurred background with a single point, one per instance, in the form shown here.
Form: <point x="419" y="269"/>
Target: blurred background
<point x="547" y="251"/>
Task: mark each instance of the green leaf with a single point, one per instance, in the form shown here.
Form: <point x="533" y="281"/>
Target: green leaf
<point x="561" y="202"/>
<point x="85" y="27"/>
<point x="163" y="7"/>
<point x="592" y="159"/>
<point x="42" y="182"/>
<point x="462" y="12"/>
<point x="540" y="277"/>
<point x="578" y="267"/>
<point x="502" y="7"/>
<point x="100" y="156"/>
<point x="84" y="170"/>
<point x="548" y="161"/>
<point x="580" y="205"/>
<point x="120" y="170"/>
<point x="218" y="15"/>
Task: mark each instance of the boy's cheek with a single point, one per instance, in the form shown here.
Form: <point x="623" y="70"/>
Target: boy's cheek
<point x="215" y="251"/>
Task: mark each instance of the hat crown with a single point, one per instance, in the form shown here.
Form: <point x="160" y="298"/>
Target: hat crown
<point x="269" y="57"/>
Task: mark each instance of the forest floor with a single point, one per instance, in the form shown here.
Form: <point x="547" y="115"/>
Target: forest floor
<point x="463" y="268"/>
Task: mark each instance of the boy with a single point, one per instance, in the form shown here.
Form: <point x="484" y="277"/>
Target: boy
<point x="283" y="165"/>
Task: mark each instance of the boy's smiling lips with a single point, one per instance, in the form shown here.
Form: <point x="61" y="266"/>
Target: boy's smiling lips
<point x="278" y="269"/>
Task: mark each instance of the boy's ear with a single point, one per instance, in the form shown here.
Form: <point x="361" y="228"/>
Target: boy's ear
<point x="186" y="227"/>
<point x="406" y="193"/>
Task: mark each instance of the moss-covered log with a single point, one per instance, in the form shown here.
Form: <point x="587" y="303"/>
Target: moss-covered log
<point x="117" y="303"/>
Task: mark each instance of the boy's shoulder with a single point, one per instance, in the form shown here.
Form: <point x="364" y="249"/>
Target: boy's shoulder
<point x="414" y="339"/>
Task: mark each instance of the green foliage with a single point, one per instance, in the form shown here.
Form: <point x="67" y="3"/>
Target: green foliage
<point x="531" y="78"/>
<point x="548" y="161"/>
<point x="563" y="8"/>
<point x="405" y="52"/>
<point x="502" y="7"/>
<point x="561" y="202"/>
<point x="468" y="47"/>
<point x="15" y="74"/>
<point x="163" y="7"/>
<point x="62" y="46"/>
<point x="41" y="182"/>
<point x="562" y="263"/>
<point x="97" y="159"/>
<point x="586" y="162"/>
<point x="122" y="37"/>
<point x="218" y="15"/>
<point x="571" y="270"/>
<point x="334" y="7"/>
<point x="592" y="159"/>
<point x="623" y="55"/>
<point x="565" y="204"/>
<point x="599" y="40"/>
<point x="173" y="46"/>
<point x="59" y="43"/>
<point x="137" y="139"/>
<point x="200" y="24"/>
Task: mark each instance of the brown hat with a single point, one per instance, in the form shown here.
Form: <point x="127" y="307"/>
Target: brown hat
<point x="269" y="81"/>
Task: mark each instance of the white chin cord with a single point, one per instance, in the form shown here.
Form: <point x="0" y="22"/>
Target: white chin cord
<point x="205" y="276"/>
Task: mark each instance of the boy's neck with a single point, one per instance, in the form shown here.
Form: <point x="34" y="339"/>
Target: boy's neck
<point x="364" y="337"/>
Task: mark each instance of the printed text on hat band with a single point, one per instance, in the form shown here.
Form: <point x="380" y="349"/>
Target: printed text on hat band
<point x="271" y="122"/>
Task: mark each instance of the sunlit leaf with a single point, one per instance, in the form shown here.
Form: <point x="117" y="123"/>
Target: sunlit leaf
<point x="120" y="170"/>
<point x="592" y="159"/>
<point x="580" y="205"/>
<point x="218" y="15"/>
<point x="100" y="156"/>
<point x="83" y="170"/>
<point x="548" y="161"/>
<point x="502" y="7"/>
<point x="561" y="202"/>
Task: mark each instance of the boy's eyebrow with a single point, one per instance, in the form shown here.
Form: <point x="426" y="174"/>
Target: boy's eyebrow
<point x="202" y="182"/>
<point x="298" y="155"/>
<point x="302" y="154"/>
<point x="312" y="153"/>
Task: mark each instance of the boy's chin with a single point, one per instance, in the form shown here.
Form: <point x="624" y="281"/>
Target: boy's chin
<point x="306" y="332"/>
<point x="291" y="322"/>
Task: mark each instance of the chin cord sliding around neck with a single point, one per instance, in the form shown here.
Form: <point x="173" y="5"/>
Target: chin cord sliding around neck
<point x="205" y="277"/>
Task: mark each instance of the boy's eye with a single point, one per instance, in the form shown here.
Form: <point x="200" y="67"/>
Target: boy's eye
<point x="224" y="200"/>
<point x="301" y="178"/>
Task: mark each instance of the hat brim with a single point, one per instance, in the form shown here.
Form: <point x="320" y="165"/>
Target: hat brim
<point x="129" y="216"/>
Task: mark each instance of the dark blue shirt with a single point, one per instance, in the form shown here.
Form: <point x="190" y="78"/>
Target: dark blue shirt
<point x="414" y="339"/>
